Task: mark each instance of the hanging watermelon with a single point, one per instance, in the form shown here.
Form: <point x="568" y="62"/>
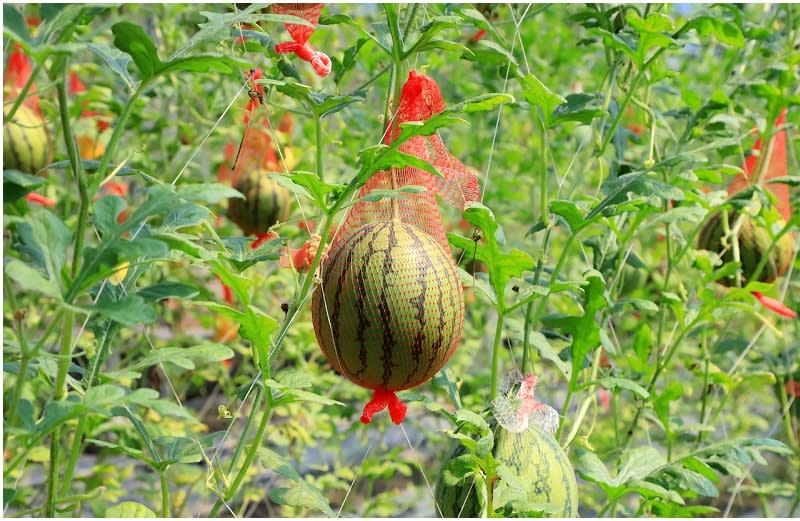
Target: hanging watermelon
<point x="26" y="139"/>
<point x="389" y="311"/>
<point x="300" y="34"/>
<point x="754" y="240"/>
<point x="523" y="441"/>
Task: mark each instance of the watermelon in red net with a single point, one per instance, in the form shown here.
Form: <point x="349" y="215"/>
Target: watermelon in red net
<point x="390" y="310"/>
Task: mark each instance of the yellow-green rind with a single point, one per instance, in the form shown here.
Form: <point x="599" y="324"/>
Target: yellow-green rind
<point x="537" y="459"/>
<point x="754" y="242"/>
<point x="390" y="310"/>
<point x="265" y="203"/>
<point x="26" y="143"/>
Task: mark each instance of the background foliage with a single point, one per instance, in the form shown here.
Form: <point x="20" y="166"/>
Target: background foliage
<point x="621" y="127"/>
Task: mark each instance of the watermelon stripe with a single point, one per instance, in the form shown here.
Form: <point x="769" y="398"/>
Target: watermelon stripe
<point x="424" y="264"/>
<point x="361" y="286"/>
<point x="384" y="310"/>
<point x="12" y="148"/>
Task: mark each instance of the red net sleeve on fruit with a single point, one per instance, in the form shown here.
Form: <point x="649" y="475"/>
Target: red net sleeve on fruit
<point x="776" y="166"/>
<point x="300" y="34"/>
<point x="18" y="71"/>
<point x="420" y="100"/>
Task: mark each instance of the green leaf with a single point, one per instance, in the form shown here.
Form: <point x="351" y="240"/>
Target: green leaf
<point x="571" y="214"/>
<point x="502" y="265"/>
<point x="129" y="509"/>
<point x="31" y="279"/>
<point x="303" y="495"/>
<point x="482" y="103"/>
<point x="540" y="342"/>
<point x="18" y="184"/>
<point x="316" y="188"/>
<point x="398" y="193"/>
<point x="540" y="96"/>
<point x="47" y="240"/>
<point x="278" y="464"/>
<point x="14" y="24"/>
<point x="257" y="327"/>
<point x="131" y="39"/>
<point x="285" y="394"/>
<point x="580" y="107"/>
<point x="324" y="105"/>
<point x="725" y="31"/>
<point x="185" y="357"/>
<point x="476" y="420"/>
<point x="101" y="396"/>
<point x="165" y="290"/>
<point x="583" y="328"/>
<point x="211" y="193"/>
<point x="611" y="383"/>
<point x="116" y="60"/>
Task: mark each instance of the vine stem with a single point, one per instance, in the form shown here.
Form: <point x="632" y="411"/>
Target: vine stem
<point x="586" y="402"/>
<point x="164" y="492"/>
<point x="498" y="335"/>
<point x="58" y="394"/>
<point x="119" y="128"/>
<point x="320" y="149"/>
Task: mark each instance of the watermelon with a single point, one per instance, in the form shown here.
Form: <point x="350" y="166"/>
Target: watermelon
<point x="26" y="143"/>
<point x="537" y="460"/>
<point x="265" y="203"/>
<point x="754" y="242"/>
<point x="389" y="311"/>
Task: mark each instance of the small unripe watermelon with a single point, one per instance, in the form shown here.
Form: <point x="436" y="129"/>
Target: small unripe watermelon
<point x="26" y="144"/>
<point x="754" y="242"/>
<point x="538" y="461"/>
<point x="265" y="203"/>
<point x="389" y="311"/>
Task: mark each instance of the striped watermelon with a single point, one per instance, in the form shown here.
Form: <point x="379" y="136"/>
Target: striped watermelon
<point x="536" y="458"/>
<point x="389" y="311"/>
<point x="754" y="241"/>
<point x="26" y="143"/>
<point x="265" y="203"/>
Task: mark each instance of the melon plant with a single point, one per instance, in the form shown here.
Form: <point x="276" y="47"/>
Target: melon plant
<point x="538" y="463"/>
<point x="265" y="203"/>
<point x="26" y="143"/>
<point x="754" y="243"/>
<point x="389" y="311"/>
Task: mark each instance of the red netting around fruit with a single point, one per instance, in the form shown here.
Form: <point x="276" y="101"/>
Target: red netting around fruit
<point x="419" y="100"/>
<point x="517" y="410"/>
<point x="18" y="70"/>
<point x="301" y="33"/>
<point x="777" y="167"/>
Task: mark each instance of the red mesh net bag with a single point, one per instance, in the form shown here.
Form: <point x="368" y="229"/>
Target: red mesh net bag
<point x="389" y="311"/>
<point x="776" y="167"/>
<point x="420" y="99"/>
<point x="300" y="34"/>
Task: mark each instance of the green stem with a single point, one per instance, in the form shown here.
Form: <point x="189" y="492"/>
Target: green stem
<point x="498" y="336"/>
<point x="248" y="460"/>
<point x="119" y="128"/>
<point x="26" y="358"/>
<point x="704" y="404"/>
<point x="247" y="426"/>
<point x="659" y="368"/>
<point x="584" y="407"/>
<point x="320" y="150"/>
<point x="77" y="169"/>
<point x="58" y="393"/>
<point x="544" y="177"/>
<point x="164" y="493"/>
